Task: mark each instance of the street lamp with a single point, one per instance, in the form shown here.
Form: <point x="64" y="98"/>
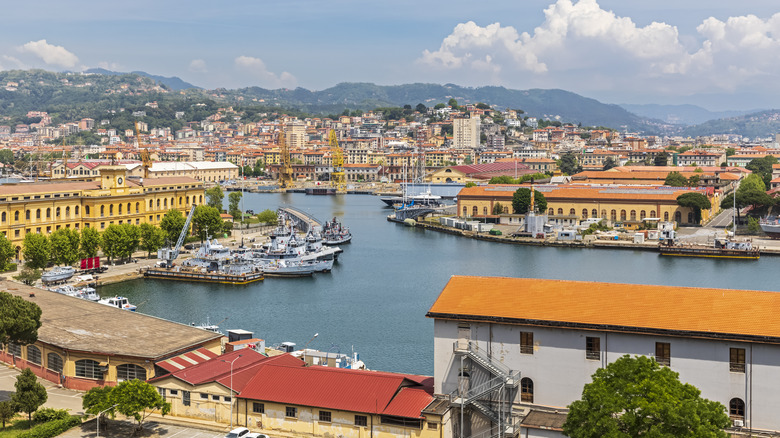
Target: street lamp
<point x="98" y="418"/>
<point x="307" y="344"/>
<point x="232" y="396"/>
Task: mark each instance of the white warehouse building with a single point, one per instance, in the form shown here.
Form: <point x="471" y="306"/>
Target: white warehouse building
<point x="511" y="353"/>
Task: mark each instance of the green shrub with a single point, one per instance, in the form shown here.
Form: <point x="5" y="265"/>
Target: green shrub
<point x="44" y="415"/>
<point x="11" y="267"/>
<point x="52" y="428"/>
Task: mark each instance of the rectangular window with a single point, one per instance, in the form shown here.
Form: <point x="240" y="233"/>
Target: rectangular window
<point x="215" y="397"/>
<point x="361" y="420"/>
<point x="227" y="399"/>
<point x="204" y="396"/>
<point x="161" y="391"/>
<point x="325" y="416"/>
<point x="592" y="348"/>
<point x="174" y="392"/>
<point x="663" y="353"/>
<point x="433" y="426"/>
<point x="737" y="360"/>
<point x="258" y="408"/>
<point x="290" y="411"/>
<point x="185" y="398"/>
<point x="526" y="342"/>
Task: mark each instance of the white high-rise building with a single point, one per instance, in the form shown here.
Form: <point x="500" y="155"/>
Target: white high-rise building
<point x="465" y="132"/>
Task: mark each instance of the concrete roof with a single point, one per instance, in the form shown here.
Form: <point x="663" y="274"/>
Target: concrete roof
<point x="81" y="325"/>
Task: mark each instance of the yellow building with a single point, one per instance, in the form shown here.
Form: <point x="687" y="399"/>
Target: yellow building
<point x="111" y="198"/>
<point x="577" y="202"/>
<point x="112" y="344"/>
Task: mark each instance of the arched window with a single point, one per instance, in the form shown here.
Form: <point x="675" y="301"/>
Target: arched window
<point x="14" y="349"/>
<point x="572" y="212"/>
<point x="102" y="210"/>
<point x="474" y="211"/>
<point x="38" y="213"/>
<point x="151" y="205"/>
<point x="484" y="211"/>
<point x="633" y="215"/>
<point x="34" y="354"/>
<point x="506" y="210"/>
<point x="27" y="214"/>
<point x="165" y="203"/>
<point x="526" y="390"/>
<point x="137" y="207"/>
<point x="642" y="215"/>
<point x="622" y="215"/>
<point x="3" y="217"/>
<point x="690" y="217"/>
<point x="551" y="212"/>
<point x="54" y="362"/>
<point x="88" y="369"/>
<point x="67" y="211"/>
<point x="129" y="371"/>
<point x="180" y="200"/>
<point x="613" y="215"/>
<point x="120" y="208"/>
<point x="465" y="211"/>
<point x="200" y="199"/>
<point x="584" y="213"/>
<point x="128" y="208"/>
<point x="16" y="216"/>
<point x="560" y="212"/>
<point x="604" y="214"/>
<point x="594" y="213"/>
<point x="652" y="213"/>
<point x="678" y="216"/>
<point x="158" y="204"/>
<point x="666" y="216"/>
<point x="57" y="214"/>
<point x="111" y="210"/>
<point x="737" y="408"/>
<point x="188" y="200"/>
<point x="86" y="211"/>
<point x="172" y="203"/>
<point x="48" y="213"/>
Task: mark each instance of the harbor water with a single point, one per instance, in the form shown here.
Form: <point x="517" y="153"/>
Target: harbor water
<point x="375" y="299"/>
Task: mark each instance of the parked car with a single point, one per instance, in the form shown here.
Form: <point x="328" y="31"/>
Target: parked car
<point x="238" y="432"/>
<point x="256" y="435"/>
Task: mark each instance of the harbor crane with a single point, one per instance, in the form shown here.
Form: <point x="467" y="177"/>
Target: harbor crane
<point x="337" y="179"/>
<point x="146" y="157"/>
<point x="170" y="254"/>
<point x="285" y="170"/>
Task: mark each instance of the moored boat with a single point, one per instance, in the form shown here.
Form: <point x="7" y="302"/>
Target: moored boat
<point x="334" y="233"/>
<point x="57" y="273"/>
<point x="118" y="302"/>
<point x="770" y="225"/>
<point x="722" y="248"/>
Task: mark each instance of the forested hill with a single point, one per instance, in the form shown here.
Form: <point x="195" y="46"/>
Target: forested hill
<point x="760" y="124"/>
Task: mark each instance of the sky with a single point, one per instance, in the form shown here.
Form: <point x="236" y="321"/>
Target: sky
<point x="717" y="54"/>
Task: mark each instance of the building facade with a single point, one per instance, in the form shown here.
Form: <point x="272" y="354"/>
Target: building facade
<point x="465" y="132"/>
<point x="529" y="335"/>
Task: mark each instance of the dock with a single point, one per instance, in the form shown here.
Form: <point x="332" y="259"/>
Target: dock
<point x="201" y="276"/>
<point x="302" y="220"/>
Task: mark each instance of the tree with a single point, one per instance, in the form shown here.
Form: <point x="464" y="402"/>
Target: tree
<point x="267" y="217"/>
<point x="635" y="397"/>
<point x="661" y="159"/>
<point x="498" y="208"/>
<point x="763" y="167"/>
<point x="521" y="201"/>
<point x="19" y="320"/>
<point x="730" y="151"/>
<point x="7" y="410"/>
<point x="233" y="200"/>
<point x="6" y="252"/>
<point x="97" y="400"/>
<point x="568" y="164"/>
<point x="65" y="246"/>
<point x="609" y="163"/>
<point x="420" y="108"/>
<point x="453" y="103"/>
<point x="503" y="179"/>
<point x="695" y="201"/>
<point x="131" y="238"/>
<point x="675" y="179"/>
<point x="152" y="238"/>
<point x="90" y="242"/>
<point x="470" y="184"/>
<point x="206" y="222"/>
<point x="172" y="224"/>
<point x="36" y="250"/>
<point x="6" y="156"/>
<point x="28" y="275"/>
<point x="30" y="394"/>
<point x="110" y="241"/>
<point x="134" y="397"/>
<point x="439" y="106"/>
<point x="214" y="197"/>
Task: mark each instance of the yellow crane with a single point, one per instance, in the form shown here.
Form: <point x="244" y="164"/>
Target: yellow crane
<point x="146" y="157"/>
<point x="337" y="179"/>
<point x="285" y="170"/>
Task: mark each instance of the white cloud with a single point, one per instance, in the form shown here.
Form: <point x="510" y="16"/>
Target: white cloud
<point x="9" y="62"/>
<point x="580" y="41"/>
<point x="198" y="66"/>
<point x="255" y="67"/>
<point x="50" y="54"/>
<point x="112" y="66"/>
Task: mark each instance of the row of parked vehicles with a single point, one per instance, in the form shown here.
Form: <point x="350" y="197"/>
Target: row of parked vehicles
<point x="243" y="432"/>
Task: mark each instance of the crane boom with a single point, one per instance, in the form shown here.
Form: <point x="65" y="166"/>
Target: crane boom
<point x="170" y="254"/>
<point x="337" y="179"/>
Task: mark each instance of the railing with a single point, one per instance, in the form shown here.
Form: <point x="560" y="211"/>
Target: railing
<point x="471" y="348"/>
<point x="476" y="392"/>
<point x="509" y="428"/>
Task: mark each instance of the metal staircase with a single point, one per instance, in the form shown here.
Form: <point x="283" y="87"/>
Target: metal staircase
<point x="504" y="381"/>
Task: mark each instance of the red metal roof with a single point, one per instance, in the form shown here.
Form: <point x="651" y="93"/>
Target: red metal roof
<point x="339" y="389"/>
<point x="186" y="360"/>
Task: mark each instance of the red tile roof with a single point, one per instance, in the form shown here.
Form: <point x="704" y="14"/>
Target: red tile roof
<point x="341" y="389"/>
<point x="186" y="360"/>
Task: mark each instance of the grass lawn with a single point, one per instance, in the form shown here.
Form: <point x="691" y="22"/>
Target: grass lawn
<point x="16" y="426"/>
